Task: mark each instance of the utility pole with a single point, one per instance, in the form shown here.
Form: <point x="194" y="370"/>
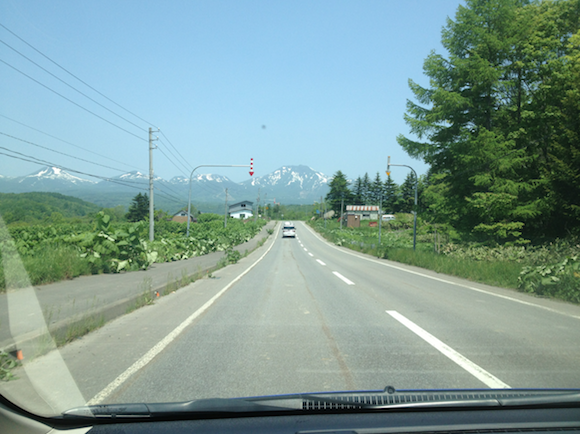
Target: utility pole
<point x="151" y="204"/>
<point x="341" y="210"/>
<point x="257" y="207"/>
<point x="266" y="206"/>
<point x="380" y="217"/>
<point x="226" y="210"/>
<point x="325" y="214"/>
<point x="416" y="184"/>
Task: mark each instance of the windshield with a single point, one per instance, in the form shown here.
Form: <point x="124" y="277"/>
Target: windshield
<point x="250" y="198"/>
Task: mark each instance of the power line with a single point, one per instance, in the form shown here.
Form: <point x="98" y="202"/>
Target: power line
<point x="72" y="102"/>
<point x="182" y="157"/>
<point x="170" y="160"/>
<point x="71" y="74"/>
<point x="62" y="153"/>
<point x="72" y="87"/>
<point x="47" y="163"/>
<point x="68" y="143"/>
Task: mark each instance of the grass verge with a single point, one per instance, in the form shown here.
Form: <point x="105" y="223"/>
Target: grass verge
<point x="497" y="273"/>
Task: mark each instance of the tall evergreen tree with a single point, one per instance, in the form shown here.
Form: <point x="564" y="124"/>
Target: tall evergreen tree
<point x="391" y="198"/>
<point x="357" y="192"/>
<point x="407" y="194"/>
<point x="338" y="191"/>
<point x="139" y="208"/>
<point x="377" y="193"/>
<point x="499" y="123"/>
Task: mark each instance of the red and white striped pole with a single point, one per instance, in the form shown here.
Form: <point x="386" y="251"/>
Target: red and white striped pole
<point x="251" y="167"/>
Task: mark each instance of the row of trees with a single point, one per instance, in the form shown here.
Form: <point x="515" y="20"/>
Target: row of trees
<point x="363" y="191"/>
<point x="499" y="123"/>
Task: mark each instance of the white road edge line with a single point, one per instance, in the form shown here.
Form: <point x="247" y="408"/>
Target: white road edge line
<point x="475" y="370"/>
<point x="483" y="291"/>
<point x="320" y="262"/>
<point x="160" y="346"/>
<point x="341" y="277"/>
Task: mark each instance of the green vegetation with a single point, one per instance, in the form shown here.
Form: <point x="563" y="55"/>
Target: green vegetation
<point x="139" y="208"/>
<point x="37" y="208"/>
<point x="498" y="124"/>
<point x="62" y="251"/>
<point x="551" y="270"/>
<point x="7" y="365"/>
<point x="286" y="212"/>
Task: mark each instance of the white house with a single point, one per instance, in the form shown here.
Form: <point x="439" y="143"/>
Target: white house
<point x="241" y="210"/>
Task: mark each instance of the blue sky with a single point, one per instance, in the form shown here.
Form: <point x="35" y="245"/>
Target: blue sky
<point x="319" y="83"/>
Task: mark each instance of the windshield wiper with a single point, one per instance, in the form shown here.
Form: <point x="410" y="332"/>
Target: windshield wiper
<point x="215" y="406"/>
<point x="333" y="402"/>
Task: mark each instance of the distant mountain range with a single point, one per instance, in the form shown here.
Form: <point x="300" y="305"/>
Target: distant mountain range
<point x="287" y="185"/>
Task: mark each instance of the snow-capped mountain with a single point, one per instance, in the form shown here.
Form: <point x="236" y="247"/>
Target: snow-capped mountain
<point x="287" y="185"/>
<point x="53" y="173"/>
<point x="47" y="179"/>
<point x="291" y="184"/>
<point x="201" y="177"/>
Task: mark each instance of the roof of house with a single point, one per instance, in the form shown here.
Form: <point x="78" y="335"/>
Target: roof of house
<point x="362" y="208"/>
<point x="239" y="203"/>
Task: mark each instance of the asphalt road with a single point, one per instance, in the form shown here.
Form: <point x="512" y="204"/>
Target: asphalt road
<point x="301" y="315"/>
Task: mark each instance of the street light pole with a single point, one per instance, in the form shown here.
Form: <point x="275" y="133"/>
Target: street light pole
<point x="191" y="176"/>
<point x="416" y="183"/>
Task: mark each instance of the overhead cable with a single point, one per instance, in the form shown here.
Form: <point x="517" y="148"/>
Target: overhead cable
<point x="71" y="74"/>
<point x="72" y="102"/>
<point x="72" y="87"/>
<point x="69" y="143"/>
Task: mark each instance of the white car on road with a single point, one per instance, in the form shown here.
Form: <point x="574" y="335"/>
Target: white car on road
<point x="288" y="230"/>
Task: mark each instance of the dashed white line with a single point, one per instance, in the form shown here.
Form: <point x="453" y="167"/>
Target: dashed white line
<point x="310" y="254"/>
<point x="341" y="277"/>
<point x="475" y="370"/>
<point x="305" y="249"/>
<point x="483" y="291"/>
<point x="320" y="262"/>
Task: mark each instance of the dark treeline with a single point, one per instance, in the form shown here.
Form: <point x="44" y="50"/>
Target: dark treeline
<point x="364" y="191"/>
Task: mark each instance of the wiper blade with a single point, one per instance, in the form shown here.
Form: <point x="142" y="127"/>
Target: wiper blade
<point x="333" y="402"/>
<point x="162" y="410"/>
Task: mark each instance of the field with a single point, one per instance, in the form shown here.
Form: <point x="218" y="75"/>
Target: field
<point x="547" y="270"/>
<point x="56" y="252"/>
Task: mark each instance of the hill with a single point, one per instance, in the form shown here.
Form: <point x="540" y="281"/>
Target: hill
<point x="37" y="206"/>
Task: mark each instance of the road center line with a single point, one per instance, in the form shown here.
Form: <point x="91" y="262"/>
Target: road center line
<point x="310" y="254"/>
<point x="483" y="291"/>
<point x="475" y="370"/>
<point x="320" y="262"/>
<point x="160" y="346"/>
<point x="341" y="277"/>
<point x="305" y="249"/>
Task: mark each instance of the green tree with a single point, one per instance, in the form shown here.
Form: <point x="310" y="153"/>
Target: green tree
<point x="376" y="191"/>
<point x="139" y="208"/>
<point x="358" y="192"/>
<point x="338" y="191"/>
<point x="407" y="194"/>
<point x="480" y="124"/>
<point x="391" y="197"/>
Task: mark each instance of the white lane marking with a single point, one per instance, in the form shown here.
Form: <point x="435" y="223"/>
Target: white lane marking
<point x="160" y="346"/>
<point x="320" y="262"/>
<point x="475" y="370"/>
<point x="310" y="254"/>
<point x="305" y="249"/>
<point x="483" y="291"/>
<point x="341" y="277"/>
